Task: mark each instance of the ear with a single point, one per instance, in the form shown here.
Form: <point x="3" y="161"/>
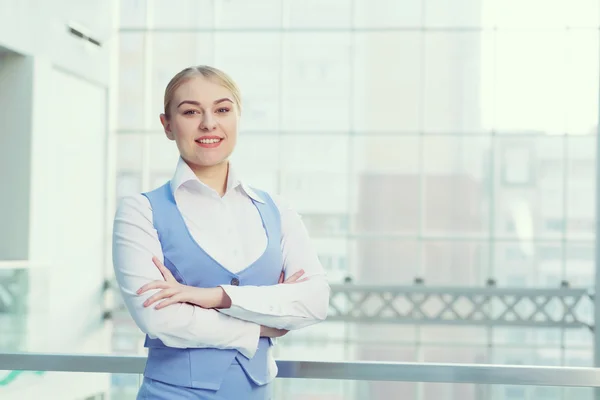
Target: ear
<point x="167" y="126"/>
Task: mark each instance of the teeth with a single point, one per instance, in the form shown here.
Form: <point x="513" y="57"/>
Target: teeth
<point x="208" y="141"/>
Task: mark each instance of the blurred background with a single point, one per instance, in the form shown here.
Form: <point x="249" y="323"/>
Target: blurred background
<point x="438" y="151"/>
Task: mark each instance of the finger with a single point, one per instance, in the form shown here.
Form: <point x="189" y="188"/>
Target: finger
<point x="153" y="285"/>
<point x="294" y="277"/>
<point x="163" y="270"/>
<point x="171" y="300"/>
<point x="163" y="294"/>
<point x="281" y="277"/>
<point x="300" y="280"/>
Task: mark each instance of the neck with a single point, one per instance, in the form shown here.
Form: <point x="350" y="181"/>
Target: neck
<point x="214" y="176"/>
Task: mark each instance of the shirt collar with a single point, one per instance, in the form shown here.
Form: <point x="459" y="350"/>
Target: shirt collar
<point x="183" y="174"/>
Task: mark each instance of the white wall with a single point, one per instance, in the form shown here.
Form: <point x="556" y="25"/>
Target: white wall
<point x="68" y="190"/>
<point x="16" y="92"/>
<point x="39" y="27"/>
<point x="54" y="135"/>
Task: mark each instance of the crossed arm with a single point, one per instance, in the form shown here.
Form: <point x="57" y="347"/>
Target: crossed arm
<point x="226" y="316"/>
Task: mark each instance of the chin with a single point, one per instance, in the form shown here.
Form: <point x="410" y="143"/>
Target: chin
<point x="208" y="162"/>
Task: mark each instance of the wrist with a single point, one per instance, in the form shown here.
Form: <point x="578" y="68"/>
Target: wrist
<point x="221" y="297"/>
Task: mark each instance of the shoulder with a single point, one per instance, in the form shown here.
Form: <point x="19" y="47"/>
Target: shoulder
<point x="286" y="208"/>
<point x="134" y="205"/>
<point x="282" y="203"/>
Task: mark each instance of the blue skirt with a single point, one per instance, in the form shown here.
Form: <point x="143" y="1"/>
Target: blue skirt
<point x="236" y="386"/>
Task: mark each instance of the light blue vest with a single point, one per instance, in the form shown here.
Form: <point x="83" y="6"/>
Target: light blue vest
<point x="191" y="265"/>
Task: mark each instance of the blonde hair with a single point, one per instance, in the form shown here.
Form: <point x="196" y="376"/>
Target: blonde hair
<point x="213" y="74"/>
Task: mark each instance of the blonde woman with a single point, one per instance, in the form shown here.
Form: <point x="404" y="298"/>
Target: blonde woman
<point x="210" y="268"/>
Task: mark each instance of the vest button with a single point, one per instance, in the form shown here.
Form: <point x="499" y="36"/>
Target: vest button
<point x="235" y="282"/>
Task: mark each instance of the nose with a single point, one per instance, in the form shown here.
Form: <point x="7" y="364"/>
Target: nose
<point x="208" y="122"/>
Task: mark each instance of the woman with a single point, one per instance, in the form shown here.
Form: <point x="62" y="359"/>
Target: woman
<point x="211" y="269"/>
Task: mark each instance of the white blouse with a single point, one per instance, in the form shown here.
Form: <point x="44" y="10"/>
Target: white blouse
<point x="230" y="230"/>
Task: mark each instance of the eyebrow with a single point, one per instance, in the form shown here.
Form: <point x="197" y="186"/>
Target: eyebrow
<point x="197" y="103"/>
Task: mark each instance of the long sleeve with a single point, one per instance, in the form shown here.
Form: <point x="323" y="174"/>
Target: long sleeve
<point x="181" y="325"/>
<point x="286" y="306"/>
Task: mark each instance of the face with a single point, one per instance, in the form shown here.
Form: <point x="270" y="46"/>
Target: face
<point x="203" y="122"/>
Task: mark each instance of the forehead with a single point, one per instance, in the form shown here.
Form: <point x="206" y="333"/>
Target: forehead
<point x="202" y="90"/>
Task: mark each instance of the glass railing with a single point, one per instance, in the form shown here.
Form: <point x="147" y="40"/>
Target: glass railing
<point x="331" y="380"/>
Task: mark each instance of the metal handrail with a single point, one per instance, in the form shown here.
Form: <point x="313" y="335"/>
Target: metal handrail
<point x="356" y="370"/>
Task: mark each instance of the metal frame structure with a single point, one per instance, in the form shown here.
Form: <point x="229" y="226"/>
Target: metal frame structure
<point x="469" y="306"/>
<point x="486" y="306"/>
<point x="361" y="371"/>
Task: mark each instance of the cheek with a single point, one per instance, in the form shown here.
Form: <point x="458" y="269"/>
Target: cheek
<point x="184" y="130"/>
<point x="231" y="128"/>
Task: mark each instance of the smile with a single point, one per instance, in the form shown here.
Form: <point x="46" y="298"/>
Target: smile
<point x="209" y="142"/>
<point x="206" y="141"/>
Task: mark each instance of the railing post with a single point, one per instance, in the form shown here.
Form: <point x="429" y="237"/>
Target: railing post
<point x="596" y="325"/>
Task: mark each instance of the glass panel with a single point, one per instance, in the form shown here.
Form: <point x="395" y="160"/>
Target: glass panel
<point x="452" y="391"/>
<point x="387" y="184"/>
<point x="130" y="148"/>
<point x="538" y="78"/>
<point x="443" y="342"/>
<point x="580" y="187"/>
<point x="455" y="14"/>
<point x="456" y="185"/>
<point x="385" y="261"/>
<point x="314" y="172"/>
<point x="14" y="297"/>
<point x="253" y="60"/>
<point x="241" y="14"/>
<point x="456" y="263"/>
<point x="581" y="76"/>
<point x="300" y="389"/>
<point x="528" y="264"/>
<point x="125" y="386"/>
<point x="452" y="88"/>
<point x="316" y="192"/>
<point x="557" y="14"/>
<point x="131" y="81"/>
<point x="584" y="13"/>
<point x="184" y="14"/>
<point x="256" y="152"/>
<point x="387" y="95"/>
<point x="388" y="13"/>
<point x="132" y="13"/>
<point x="256" y="159"/>
<point x="316" y="94"/>
<point x="529" y="187"/>
<point x="164" y="155"/>
<point x="333" y="252"/>
<point x="17" y="385"/>
<point x="580" y="264"/>
<point x="330" y="14"/>
<point x="579" y="358"/>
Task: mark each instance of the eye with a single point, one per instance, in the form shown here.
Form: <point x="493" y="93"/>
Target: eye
<point x="190" y="112"/>
<point x="223" y="110"/>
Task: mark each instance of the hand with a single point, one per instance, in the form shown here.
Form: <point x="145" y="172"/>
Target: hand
<point x="266" y="331"/>
<point x="292" y="279"/>
<point x="175" y="292"/>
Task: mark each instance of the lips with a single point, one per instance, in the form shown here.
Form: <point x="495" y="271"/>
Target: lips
<point x="209" y="141"/>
